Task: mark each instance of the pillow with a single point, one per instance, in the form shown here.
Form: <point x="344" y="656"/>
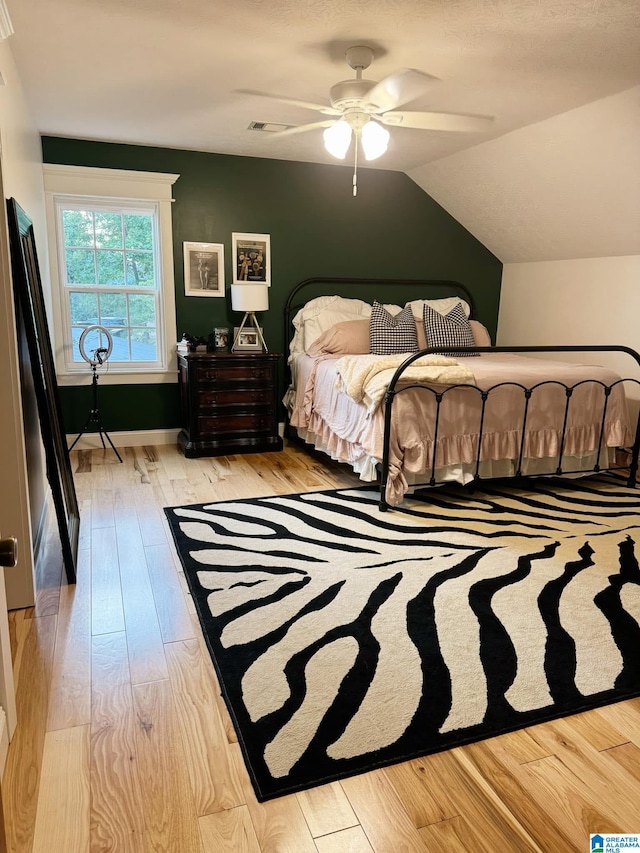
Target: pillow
<point x="481" y="334"/>
<point x="442" y="306"/>
<point x="320" y="314"/>
<point x="349" y="337"/>
<point x="448" y="330"/>
<point x="422" y="341"/>
<point x="392" y="334"/>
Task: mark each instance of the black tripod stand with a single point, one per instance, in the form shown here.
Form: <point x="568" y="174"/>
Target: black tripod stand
<point x="94" y="421"/>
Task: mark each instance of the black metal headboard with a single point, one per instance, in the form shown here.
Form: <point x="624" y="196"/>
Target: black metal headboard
<point x="327" y="286"/>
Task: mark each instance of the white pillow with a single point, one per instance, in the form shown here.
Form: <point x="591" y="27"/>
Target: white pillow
<point x="323" y="312"/>
<point x="442" y="306"/>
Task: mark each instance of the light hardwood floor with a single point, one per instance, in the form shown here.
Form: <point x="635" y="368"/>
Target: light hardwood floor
<point x="124" y="743"/>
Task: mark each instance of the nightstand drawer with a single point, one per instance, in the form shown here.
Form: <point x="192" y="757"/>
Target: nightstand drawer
<point x="244" y="422"/>
<point x="235" y="397"/>
<point x="232" y="374"/>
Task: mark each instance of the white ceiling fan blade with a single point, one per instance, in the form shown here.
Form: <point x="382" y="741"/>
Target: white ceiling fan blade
<point x="302" y="128"/>
<point x="398" y="88"/>
<point x="437" y="121"/>
<point x="307" y="105"/>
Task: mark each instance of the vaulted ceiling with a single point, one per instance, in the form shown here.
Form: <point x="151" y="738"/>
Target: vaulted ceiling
<point x="169" y="73"/>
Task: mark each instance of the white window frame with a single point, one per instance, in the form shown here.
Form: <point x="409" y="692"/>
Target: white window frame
<point x="75" y="184"/>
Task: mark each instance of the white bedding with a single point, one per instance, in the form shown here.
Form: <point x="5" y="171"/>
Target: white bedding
<point x="365" y="378"/>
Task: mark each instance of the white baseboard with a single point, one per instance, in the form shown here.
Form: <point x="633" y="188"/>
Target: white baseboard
<point x="133" y="438"/>
<point x="126" y="438"/>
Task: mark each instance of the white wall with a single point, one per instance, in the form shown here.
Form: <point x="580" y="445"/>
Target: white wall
<point x="22" y="179"/>
<point x="22" y="153"/>
<point x="583" y="301"/>
<point x="567" y="187"/>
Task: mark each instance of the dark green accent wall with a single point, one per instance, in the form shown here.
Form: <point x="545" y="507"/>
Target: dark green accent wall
<point x="391" y="229"/>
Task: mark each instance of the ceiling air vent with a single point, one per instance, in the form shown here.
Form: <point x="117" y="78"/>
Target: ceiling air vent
<point x="268" y="126"/>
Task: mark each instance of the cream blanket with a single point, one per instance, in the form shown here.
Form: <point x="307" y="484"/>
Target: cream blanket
<point x="365" y="377"/>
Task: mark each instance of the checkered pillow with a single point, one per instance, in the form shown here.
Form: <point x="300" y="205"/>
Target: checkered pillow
<point x="392" y="334"/>
<point x="448" y="330"/>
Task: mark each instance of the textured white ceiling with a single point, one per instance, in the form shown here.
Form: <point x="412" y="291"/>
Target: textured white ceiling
<point x="555" y="177"/>
<point x="165" y="72"/>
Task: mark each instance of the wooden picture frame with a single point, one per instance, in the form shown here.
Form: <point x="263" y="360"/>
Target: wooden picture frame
<point x="203" y="269"/>
<point x="247" y="340"/>
<point x="30" y="302"/>
<point x="251" y="258"/>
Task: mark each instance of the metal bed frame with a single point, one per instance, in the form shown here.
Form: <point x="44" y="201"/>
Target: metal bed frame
<point x="393" y="390"/>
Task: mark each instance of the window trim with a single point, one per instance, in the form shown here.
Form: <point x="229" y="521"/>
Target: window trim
<point x="109" y="185"/>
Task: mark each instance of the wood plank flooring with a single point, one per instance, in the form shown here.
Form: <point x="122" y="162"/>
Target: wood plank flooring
<point x="124" y="744"/>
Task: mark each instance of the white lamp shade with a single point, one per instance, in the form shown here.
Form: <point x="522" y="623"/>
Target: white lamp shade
<point x="249" y="297"/>
<point x="337" y="139"/>
<point x="375" y="139"/>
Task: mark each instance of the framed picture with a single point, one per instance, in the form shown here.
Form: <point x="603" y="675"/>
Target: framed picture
<point x="251" y="258"/>
<point x="203" y="269"/>
<point x="248" y="340"/>
<point x="221" y="339"/>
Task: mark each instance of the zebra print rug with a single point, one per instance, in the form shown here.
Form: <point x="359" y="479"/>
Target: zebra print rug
<point x="346" y="639"/>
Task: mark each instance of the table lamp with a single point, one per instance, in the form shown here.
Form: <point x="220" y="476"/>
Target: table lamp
<point x="249" y="298"/>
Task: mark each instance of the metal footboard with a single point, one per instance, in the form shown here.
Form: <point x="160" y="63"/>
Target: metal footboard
<point x="439" y="395"/>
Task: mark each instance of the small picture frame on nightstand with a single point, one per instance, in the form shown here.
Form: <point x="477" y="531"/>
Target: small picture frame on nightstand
<point x="247" y="341"/>
<point x="221" y="339"/>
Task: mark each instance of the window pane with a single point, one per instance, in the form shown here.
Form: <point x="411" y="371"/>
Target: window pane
<point x="84" y="308"/>
<point x="92" y="341"/>
<point x="142" y="310"/>
<point x="113" y="310"/>
<point x="138" y="231"/>
<point x="78" y="228"/>
<point x="80" y="266"/>
<point x="120" y="345"/>
<point x="140" y="272"/>
<point x="110" y="267"/>
<point x="76" y="331"/>
<point x="108" y="230"/>
<point x="143" y="345"/>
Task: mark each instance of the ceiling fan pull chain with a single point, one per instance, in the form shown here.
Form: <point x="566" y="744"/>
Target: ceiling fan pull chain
<point x="355" y="166"/>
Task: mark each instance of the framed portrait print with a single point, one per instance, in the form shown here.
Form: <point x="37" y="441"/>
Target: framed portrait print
<point x="251" y="258"/>
<point x="203" y="269"/>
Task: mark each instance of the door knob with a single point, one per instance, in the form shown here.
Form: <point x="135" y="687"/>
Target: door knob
<point x="8" y="551"/>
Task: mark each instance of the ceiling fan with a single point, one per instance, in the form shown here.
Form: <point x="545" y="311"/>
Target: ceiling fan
<point x="359" y="108"/>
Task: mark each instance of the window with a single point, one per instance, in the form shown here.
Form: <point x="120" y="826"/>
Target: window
<point x="110" y="277"/>
<point x="112" y="266"/>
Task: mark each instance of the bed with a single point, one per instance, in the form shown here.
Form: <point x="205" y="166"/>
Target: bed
<point x="438" y="404"/>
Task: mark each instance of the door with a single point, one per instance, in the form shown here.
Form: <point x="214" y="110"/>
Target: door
<point x="14" y="505"/>
<point x="8" y="559"/>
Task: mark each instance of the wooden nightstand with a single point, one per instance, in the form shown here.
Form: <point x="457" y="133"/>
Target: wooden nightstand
<point x="228" y="403"/>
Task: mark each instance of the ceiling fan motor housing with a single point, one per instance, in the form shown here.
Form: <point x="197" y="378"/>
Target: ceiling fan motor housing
<point x="350" y="93"/>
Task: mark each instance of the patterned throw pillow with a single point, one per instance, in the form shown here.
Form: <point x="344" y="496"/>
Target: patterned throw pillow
<point x="392" y="334"/>
<point x="448" y="330"/>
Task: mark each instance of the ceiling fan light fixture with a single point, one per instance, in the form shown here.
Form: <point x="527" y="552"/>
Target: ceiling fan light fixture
<point x="337" y="139"/>
<point x="375" y="139"/>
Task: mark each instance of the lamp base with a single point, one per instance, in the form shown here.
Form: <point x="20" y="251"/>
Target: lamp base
<point x="249" y="319"/>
